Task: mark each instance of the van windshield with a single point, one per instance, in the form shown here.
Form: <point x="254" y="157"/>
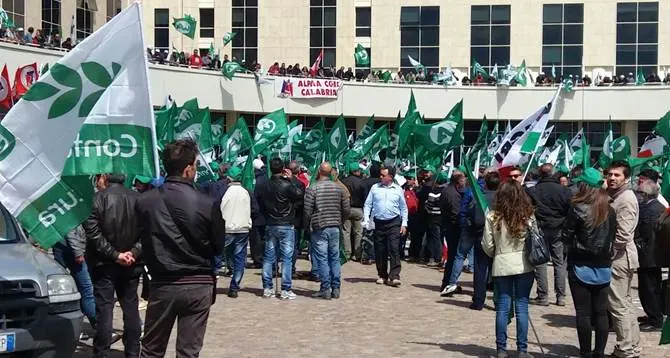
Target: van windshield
<point x="8" y="232"/>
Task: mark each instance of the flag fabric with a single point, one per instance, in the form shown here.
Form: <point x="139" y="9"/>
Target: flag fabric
<point x="248" y="174"/>
<point x="568" y="85"/>
<point x="386" y="76"/>
<point x="185" y="25"/>
<point x="238" y="140"/>
<point x="361" y="56"/>
<point x="482" y="139"/>
<point x="576" y="141"/>
<point x="416" y="64"/>
<point x="228" y="36"/>
<point x="653" y="145"/>
<point x="71" y="108"/>
<point x="662" y="127"/>
<point x="553" y="71"/>
<point x="494" y="72"/>
<point x="665" y="332"/>
<point x="205" y="139"/>
<point x="45" y="69"/>
<point x="531" y="139"/>
<point x="509" y="151"/>
<point x="444" y="135"/>
<point x="374" y="142"/>
<point x="336" y="141"/>
<point x="521" y="76"/>
<point x="368" y="129"/>
<point x="317" y="64"/>
<point x="621" y="148"/>
<point x="165" y="122"/>
<point x="310" y="149"/>
<point x="5" y="20"/>
<point x="5" y="89"/>
<point x="187" y="119"/>
<point x="605" y="157"/>
<point x="665" y="191"/>
<point x="639" y="77"/>
<point x="24" y="77"/>
<point x="229" y="68"/>
<point x="478" y="69"/>
<point x="269" y="128"/>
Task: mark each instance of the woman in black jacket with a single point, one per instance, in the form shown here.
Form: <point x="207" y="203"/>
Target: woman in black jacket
<point x="589" y="233"/>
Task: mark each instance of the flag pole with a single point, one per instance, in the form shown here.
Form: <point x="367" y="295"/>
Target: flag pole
<point x="528" y="167"/>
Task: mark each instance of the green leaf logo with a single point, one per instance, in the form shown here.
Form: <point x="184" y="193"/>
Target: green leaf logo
<point x="7" y="142"/>
<point x="72" y="81"/>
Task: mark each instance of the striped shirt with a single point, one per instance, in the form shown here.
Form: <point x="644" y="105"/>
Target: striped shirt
<point x="326" y="205"/>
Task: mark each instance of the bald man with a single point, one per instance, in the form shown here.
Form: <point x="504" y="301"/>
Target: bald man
<point x="326" y="208"/>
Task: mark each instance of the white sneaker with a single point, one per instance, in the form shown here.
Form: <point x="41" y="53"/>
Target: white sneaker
<point x="268" y="293"/>
<point x="448" y="290"/>
<point x="288" y="295"/>
<point x="380" y="281"/>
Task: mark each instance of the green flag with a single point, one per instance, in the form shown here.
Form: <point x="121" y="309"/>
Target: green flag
<point x="478" y="69"/>
<point x="378" y="140"/>
<point x="5" y="20"/>
<point x="392" y="152"/>
<point x="227" y="37"/>
<point x="205" y="140"/>
<point x="482" y="140"/>
<point x="336" y="141"/>
<point x="270" y="128"/>
<point x="665" y="332"/>
<point x="45" y="69"/>
<point x="361" y="56"/>
<point x="248" y="177"/>
<point x="310" y="149"/>
<point x="165" y="124"/>
<point x="639" y="77"/>
<point x="368" y="129"/>
<point x="229" y="68"/>
<point x="185" y="25"/>
<point x="187" y="119"/>
<point x="210" y="52"/>
<point x="568" y="85"/>
<point x="386" y="76"/>
<point x="605" y="157"/>
<point x="665" y="190"/>
<point x="521" y="76"/>
<point x="444" y="135"/>
<point x="662" y="127"/>
<point x="621" y="148"/>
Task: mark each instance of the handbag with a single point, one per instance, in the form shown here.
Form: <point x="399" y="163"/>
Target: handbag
<point x="537" y="252"/>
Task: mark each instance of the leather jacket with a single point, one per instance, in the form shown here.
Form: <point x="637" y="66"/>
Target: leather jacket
<point x="588" y="245"/>
<point x="279" y="196"/>
<point x="112" y="226"/>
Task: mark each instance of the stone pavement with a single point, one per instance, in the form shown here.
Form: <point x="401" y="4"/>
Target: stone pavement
<point x="375" y="321"/>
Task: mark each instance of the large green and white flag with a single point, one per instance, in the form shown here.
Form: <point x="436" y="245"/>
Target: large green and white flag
<point x="269" y="128"/>
<point x="228" y="36"/>
<point x="605" y="157"/>
<point x="91" y="113"/>
<point x="361" y="56"/>
<point x="237" y="141"/>
<point x="5" y="21"/>
<point x="187" y="119"/>
<point x="368" y="129"/>
<point x="185" y="25"/>
<point x="441" y="136"/>
<point x="336" y="141"/>
<point x="531" y="140"/>
<point x="576" y="141"/>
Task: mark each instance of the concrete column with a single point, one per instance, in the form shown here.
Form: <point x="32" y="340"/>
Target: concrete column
<point x="32" y="15"/>
<point x="231" y="118"/>
<point x="629" y="128"/>
<point x="360" y="123"/>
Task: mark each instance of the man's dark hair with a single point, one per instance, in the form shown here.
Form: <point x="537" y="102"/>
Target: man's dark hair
<point x="546" y="170"/>
<point x="276" y="166"/>
<point x="178" y="155"/>
<point x="650" y="174"/>
<point x="492" y="180"/>
<point x="375" y="170"/>
<point x="391" y="170"/>
<point x="223" y="169"/>
<point x="117" y="178"/>
<point x="621" y="164"/>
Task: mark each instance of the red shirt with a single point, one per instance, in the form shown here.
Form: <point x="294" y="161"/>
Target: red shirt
<point x="196" y="61"/>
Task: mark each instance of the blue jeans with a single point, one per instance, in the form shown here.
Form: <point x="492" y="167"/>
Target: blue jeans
<point x="513" y="288"/>
<point x="278" y="237"/>
<point x="465" y="244"/>
<point x="471" y="260"/>
<point x="236" y="245"/>
<point x="64" y="255"/>
<point x="312" y="259"/>
<point x="327" y="252"/>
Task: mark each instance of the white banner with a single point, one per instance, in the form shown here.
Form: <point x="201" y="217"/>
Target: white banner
<point x="297" y="87"/>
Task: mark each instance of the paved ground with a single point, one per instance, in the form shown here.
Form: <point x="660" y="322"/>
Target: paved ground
<point x="375" y="321"/>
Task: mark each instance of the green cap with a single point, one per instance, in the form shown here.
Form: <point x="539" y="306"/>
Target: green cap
<point x="234" y="173"/>
<point x="591" y="177"/>
<point x="429" y="168"/>
<point x="354" y="167"/>
<point x="409" y="173"/>
<point x="214" y="166"/>
<point x="142" y="179"/>
<point x="441" y="177"/>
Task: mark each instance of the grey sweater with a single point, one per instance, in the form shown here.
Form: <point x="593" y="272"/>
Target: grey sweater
<point x="326" y="205"/>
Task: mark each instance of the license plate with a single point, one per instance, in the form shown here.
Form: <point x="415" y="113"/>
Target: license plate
<point x="7" y="342"/>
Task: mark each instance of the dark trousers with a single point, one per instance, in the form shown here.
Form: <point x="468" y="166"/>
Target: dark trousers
<point x="650" y="290"/>
<point x="417" y="228"/>
<point x="481" y="276"/>
<point x="434" y="238"/>
<point x="591" y="313"/>
<point x="108" y="279"/>
<point x="452" y="234"/>
<point x="387" y="244"/>
<point x="189" y="305"/>
<point x="256" y="243"/>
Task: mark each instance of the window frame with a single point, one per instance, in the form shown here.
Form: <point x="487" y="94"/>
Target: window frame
<point x="567" y="48"/>
<point x="486" y="25"/>
<point x="162" y="28"/>
<point x="363" y="30"/>
<point x="426" y="52"/>
<point x="320" y="31"/>
<point x="51" y="12"/>
<point x="206" y="30"/>
<point x="245" y="43"/>
<point x="627" y="18"/>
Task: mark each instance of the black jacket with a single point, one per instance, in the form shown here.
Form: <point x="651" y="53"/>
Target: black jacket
<point x="261" y="179"/>
<point x="357" y="189"/>
<point x="299" y="204"/>
<point x="645" y="232"/>
<point x="422" y="195"/>
<point x="552" y="202"/>
<point x="588" y="245"/>
<point x="278" y="198"/>
<point x="450" y="202"/>
<point x="111" y="228"/>
<point x="181" y="229"/>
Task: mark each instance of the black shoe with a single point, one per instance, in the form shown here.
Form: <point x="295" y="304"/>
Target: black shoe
<point x="540" y="301"/>
<point x="336" y="293"/>
<point x="643" y="319"/>
<point x="476" y="307"/>
<point x="650" y="327"/>
<point x="326" y="295"/>
<point x="232" y="294"/>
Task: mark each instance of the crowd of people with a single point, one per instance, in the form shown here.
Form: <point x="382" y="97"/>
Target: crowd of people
<point x="178" y="238"/>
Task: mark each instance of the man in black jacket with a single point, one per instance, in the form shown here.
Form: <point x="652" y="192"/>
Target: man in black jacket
<point x="182" y="230"/>
<point x="294" y="167"/>
<point x="113" y="249"/>
<point x="257" y="234"/>
<point x="352" y="224"/>
<point x="552" y="203"/>
<point x="450" y="201"/>
<point x="278" y="197"/>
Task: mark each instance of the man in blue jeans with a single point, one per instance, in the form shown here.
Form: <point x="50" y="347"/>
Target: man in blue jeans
<point x="278" y="198"/>
<point x="326" y="208"/>
<point x="238" y="208"/>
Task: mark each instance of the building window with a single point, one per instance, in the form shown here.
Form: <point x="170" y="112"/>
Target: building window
<point x="113" y="8"/>
<point x="562" y="38"/>
<point x="162" y="29"/>
<point x="490" y="35"/>
<point x="16" y="10"/>
<point x="245" y="24"/>
<point x="636" y="37"/>
<point x="363" y="21"/>
<point x="420" y="36"/>
<point x="322" y="31"/>
<point x="596" y="133"/>
<point x="51" y="17"/>
<point x="207" y="23"/>
<point x="566" y="129"/>
<point x="84" y="16"/>
<point x="644" y="130"/>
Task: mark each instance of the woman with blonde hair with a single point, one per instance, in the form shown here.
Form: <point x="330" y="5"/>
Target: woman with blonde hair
<point x="504" y="240"/>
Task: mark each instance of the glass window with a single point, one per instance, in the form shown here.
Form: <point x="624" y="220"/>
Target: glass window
<point x="430" y="36"/>
<point x="562" y="38"/>
<point x="430" y="56"/>
<point x="647" y="55"/>
<point x="430" y="15"/>
<point x="161" y="17"/>
<point x="552" y="34"/>
<point x="499" y="55"/>
<point x="572" y="55"/>
<point x="573" y="13"/>
<point x="113" y="7"/>
<point x="551" y="55"/>
<point x="244" y="23"/>
<point x="637" y="37"/>
<point x="323" y="33"/>
<point x="572" y="34"/>
<point x="316" y="37"/>
<point x="647" y="33"/>
<point x="552" y="14"/>
<point x="363" y="32"/>
<point x="647" y="12"/>
<point x="490" y="35"/>
<point x="625" y="54"/>
<point x="626" y="12"/>
<point x="363" y="17"/>
<point x="409" y="15"/>
<point x="419" y="36"/>
<point x="481" y="55"/>
<point x="238" y="17"/>
<point x="251" y="17"/>
<point x="625" y="33"/>
<point x="500" y="14"/>
<point x="480" y="15"/>
<point x="162" y="29"/>
<point x="329" y="16"/>
<point x="50" y="17"/>
<point x="206" y="23"/>
<point x="500" y="35"/>
<point x="329" y="37"/>
<point x="479" y="35"/>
